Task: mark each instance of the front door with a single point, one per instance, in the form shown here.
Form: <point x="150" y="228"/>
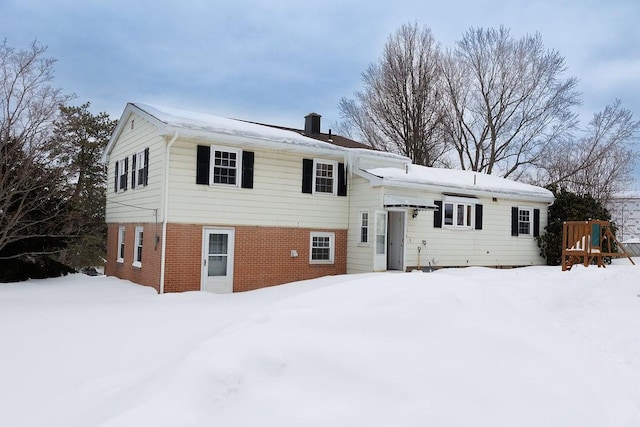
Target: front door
<point x="217" y="260"/>
<point x="396" y="241"/>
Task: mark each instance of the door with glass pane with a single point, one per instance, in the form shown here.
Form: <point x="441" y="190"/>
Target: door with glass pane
<point x="217" y="260"/>
<point x="380" y="247"/>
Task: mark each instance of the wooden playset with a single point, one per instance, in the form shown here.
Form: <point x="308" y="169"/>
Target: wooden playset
<point x="589" y="242"/>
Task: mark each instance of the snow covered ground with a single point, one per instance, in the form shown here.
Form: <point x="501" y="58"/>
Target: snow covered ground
<point x="459" y="347"/>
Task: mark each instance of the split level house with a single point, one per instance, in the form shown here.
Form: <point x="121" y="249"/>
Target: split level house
<point x="199" y="202"/>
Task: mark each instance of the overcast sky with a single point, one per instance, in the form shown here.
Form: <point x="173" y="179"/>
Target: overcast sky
<point x="277" y="60"/>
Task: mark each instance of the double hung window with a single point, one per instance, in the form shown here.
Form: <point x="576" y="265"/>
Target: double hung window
<point x="525" y="217"/>
<point x="122" y="171"/>
<point x="324" y="177"/>
<point x="322" y="248"/>
<point x="120" y="257"/>
<point x="137" y="247"/>
<point x="225" y="166"/>
<point x="364" y="228"/>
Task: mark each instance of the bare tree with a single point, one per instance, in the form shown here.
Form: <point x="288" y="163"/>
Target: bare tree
<point x="31" y="187"/>
<point x="601" y="161"/>
<point x="506" y="104"/>
<point x="397" y="110"/>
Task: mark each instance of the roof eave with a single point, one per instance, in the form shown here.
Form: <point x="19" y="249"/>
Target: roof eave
<point x="440" y="188"/>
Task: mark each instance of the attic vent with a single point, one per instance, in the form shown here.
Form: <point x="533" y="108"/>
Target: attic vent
<point x="312" y="123"/>
<point x="132" y="123"/>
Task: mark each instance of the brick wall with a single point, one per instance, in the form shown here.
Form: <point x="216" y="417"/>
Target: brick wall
<point x="184" y="258"/>
<point x="262" y="256"/>
<point x="149" y="273"/>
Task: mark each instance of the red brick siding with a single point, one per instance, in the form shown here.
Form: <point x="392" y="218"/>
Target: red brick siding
<point x="149" y="273"/>
<point x="184" y="257"/>
<point x="262" y="256"/>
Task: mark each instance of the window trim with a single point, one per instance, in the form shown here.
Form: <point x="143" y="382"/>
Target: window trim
<point x="121" y="246"/>
<point x="139" y="170"/>
<point x="212" y="166"/>
<point x="138" y="243"/>
<point x="361" y="228"/>
<point x="469" y="212"/>
<point x="334" y="178"/>
<point x="530" y="222"/>
<point x="332" y="244"/>
<point x="122" y="166"/>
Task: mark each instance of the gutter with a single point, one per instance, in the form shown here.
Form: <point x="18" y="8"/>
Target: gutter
<point x="165" y="208"/>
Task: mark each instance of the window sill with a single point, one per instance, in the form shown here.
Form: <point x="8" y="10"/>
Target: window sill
<point x="120" y="260"/>
<point x="137" y="264"/>
<point x="363" y="245"/>
<point x="319" y="262"/>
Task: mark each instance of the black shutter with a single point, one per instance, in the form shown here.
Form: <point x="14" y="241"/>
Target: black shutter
<point x="437" y="214"/>
<point x="514" y="221"/>
<point x="115" y="187"/>
<point x="202" y="164"/>
<point x="133" y="171"/>
<point x="307" y="175"/>
<point x="536" y="222"/>
<point x="126" y="172"/>
<point x="247" y="169"/>
<point x="478" y="217"/>
<point x="146" y="167"/>
<point x="342" y="180"/>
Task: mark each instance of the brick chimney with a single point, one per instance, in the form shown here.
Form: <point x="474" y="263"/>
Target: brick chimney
<point x="312" y="123"/>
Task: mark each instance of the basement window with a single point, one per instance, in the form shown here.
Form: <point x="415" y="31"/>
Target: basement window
<point x="322" y="248"/>
<point x="137" y="247"/>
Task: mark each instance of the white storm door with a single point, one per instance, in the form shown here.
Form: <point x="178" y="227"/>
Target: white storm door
<point x="380" y="245"/>
<point x="217" y="262"/>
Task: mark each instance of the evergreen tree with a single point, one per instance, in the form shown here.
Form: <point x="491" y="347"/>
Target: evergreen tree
<point x="78" y="140"/>
<point x="33" y="190"/>
<point x="567" y="207"/>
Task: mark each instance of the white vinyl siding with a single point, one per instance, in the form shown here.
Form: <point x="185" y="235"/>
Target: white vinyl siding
<point x="491" y="246"/>
<point x="147" y="200"/>
<point x="363" y="197"/>
<point x="275" y="199"/>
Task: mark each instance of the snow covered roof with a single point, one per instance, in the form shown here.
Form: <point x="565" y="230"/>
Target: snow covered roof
<point x="210" y="127"/>
<point x="459" y="181"/>
<point x="392" y="201"/>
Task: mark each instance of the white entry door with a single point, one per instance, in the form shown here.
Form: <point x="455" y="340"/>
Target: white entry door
<point x="380" y="249"/>
<point x="217" y="262"/>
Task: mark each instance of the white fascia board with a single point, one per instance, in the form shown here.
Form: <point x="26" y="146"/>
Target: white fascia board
<point x="130" y="108"/>
<point x="247" y="141"/>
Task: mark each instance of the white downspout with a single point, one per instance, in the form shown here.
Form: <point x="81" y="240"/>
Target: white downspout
<point x="165" y="209"/>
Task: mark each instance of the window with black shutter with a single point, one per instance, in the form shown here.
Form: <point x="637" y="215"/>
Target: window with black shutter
<point x="223" y="166"/>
